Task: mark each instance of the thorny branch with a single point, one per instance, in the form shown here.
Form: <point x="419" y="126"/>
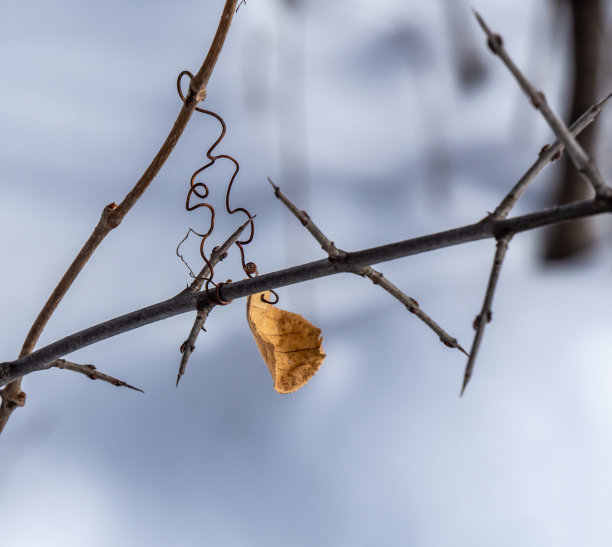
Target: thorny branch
<point x="367" y="271"/>
<point x="113" y="214"/>
<point x="352" y="261"/>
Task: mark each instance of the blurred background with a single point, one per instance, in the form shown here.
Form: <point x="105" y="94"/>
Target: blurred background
<point x="385" y="121"/>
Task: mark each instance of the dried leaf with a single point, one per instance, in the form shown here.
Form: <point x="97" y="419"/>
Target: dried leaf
<point x="290" y="345"/>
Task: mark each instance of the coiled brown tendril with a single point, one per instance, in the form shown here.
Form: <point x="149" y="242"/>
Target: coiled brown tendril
<point x="273" y="301"/>
<point x="200" y="191"/>
<point x="216" y="295"/>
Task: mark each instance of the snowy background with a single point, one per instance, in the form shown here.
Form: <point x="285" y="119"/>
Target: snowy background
<point x="356" y="110"/>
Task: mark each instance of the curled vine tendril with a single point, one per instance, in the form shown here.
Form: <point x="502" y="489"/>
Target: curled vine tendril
<point x="199" y="191"/>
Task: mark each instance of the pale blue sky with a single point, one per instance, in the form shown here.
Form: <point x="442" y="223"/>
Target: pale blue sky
<point x="377" y="449"/>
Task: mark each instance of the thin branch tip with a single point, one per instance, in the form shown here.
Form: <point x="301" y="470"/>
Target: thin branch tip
<point x="91" y="372"/>
<point x="276" y="188"/>
<point x="337" y="258"/>
<point x="480" y="20"/>
<point x="466" y="380"/>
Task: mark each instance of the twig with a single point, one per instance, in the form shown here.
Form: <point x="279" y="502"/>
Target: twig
<point x="547" y="155"/>
<point x="91" y="372"/>
<point x="113" y="214"/>
<point x="584" y="164"/>
<point x="326" y="244"/>
<point x="189" y="344"/>
<point x="218" y="254"/>
<point x="486" y="313"/>
<point x="375" y="276"/>
<point x="351" y="262"/>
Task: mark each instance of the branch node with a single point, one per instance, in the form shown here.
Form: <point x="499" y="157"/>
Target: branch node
<point x="13" y="400"/>
<point x="538" y="99"/>
<point x="495" y="42"/>
<point x="109" y="218"/>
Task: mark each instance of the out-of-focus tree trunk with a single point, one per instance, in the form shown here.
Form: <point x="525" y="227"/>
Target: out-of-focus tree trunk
<point x="467" y="51"/>
<point x="567" y="240"/>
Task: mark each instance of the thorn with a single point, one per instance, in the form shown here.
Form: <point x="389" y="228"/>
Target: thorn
<point x="480" y="20"/>
<point x="276" y="188"/>
<point x="466" y="379"/>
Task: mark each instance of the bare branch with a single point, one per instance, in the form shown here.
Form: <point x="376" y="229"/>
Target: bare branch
<point x="91" y="372"/>
<point x="351" y="262"/>
<point x="375" y="276"/>
<point x="113" y="214"/>
<point x="486" y="313"/>
<point x="584" y="164"/>
<point x="547" y="155"/>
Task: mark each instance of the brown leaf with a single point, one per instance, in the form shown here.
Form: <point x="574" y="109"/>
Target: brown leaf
<point x="290" y="345"/>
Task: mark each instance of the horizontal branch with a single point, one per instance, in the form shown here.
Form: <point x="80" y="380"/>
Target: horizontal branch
<point x="350" y="262"/>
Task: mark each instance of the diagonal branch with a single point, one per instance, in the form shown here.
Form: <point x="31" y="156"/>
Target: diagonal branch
<point x="486" y="314"/>
<point x="584" y="164"/>
<point x="375" y="276"/>
<point x="113" y="214"/>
